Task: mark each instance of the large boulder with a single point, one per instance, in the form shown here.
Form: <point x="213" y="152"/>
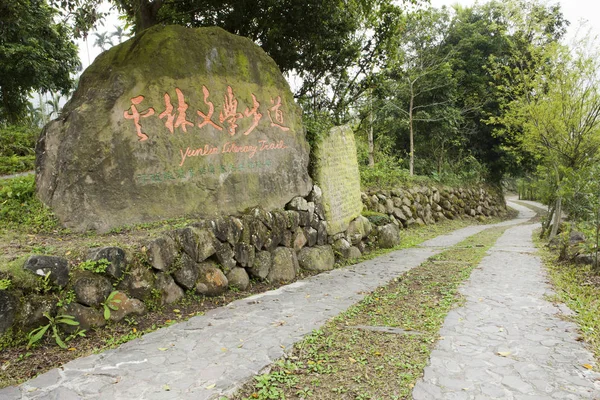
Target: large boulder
<point x="175" y="121"/>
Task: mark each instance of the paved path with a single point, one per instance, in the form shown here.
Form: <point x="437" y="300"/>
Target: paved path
<point x="17" y="175"/>
<point x="214" y="354"/>
<point x="508" y="342"/>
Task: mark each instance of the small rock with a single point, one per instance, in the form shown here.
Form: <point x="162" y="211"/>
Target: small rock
<point x="114" y="255"/>
<point x="388" y="236"/>
<point x="311" y="236"/>
<point x="162" y="252"/>
<point x="244" y="254"/>
<point x="32" y="309"/>
<point x="91" y="289"/>
<point x="8" y="310"/>
<point x="238" y="278"/>
<point x="261" y="266"/>
<point x="197" y="242"/>
<point x="322" y="233"/>
<point x="211" y="280"/>
<point x="225" y="256"/>
<point x="169" y="290"/>
<point x="87" y="317"/>
<point x="299" y="239"/>
<point x="138" y="282"/>
<point x="126" y="307"/>
<point x="58" y="268"/>
<point x="297" y="204"/>
<point x="319" y="258"/>
<point x="284" y="265"/>
<point x="187" y="273"/>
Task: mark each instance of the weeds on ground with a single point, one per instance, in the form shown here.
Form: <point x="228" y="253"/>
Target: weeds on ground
<point x="346" y="360"/>
<point x="578" y="286"/>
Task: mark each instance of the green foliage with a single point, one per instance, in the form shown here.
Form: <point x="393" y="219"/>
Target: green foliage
<point x="96" y="266"/>
<point x="5" y="284"/>
<point x="17" y="148"/>
<point x="110" y="304"/>
<point x="377" y="219"/>
<point x="36" y="53"/>
<point x="65" y="298"/>
<point x="38" y="333"/>
<point x="21" y="209"/>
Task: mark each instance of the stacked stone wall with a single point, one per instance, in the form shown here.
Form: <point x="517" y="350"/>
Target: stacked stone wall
<point x="213" y="255"/>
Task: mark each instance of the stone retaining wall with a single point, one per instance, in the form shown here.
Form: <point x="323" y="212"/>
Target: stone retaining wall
<point x="213" y="255"/>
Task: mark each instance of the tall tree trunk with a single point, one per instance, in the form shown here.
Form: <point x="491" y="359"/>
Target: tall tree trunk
<point x="557" y="216"/>
<point x="410" y="125"/>
<point x="146" y="14"/>
<point x="370" y="134"/>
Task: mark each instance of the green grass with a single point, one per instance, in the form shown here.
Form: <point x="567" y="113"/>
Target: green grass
<point x="342" y="360"/>
<point x="578" y="287"/>
<point x="20" y="209"/>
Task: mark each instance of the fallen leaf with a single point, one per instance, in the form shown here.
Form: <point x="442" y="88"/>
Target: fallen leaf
<point x="71" y="349"/>
<point x="166" y="387"/>
<point x="134" y="330"/>
<point x="504" y="353"/>
<point x="176" y="310"/>
<point x="211" y="386"/>
<point x="162" y="348"/>
<point x="223" y="348"/>
<point x="352" y="360"/>
<point x="588" y="366"/>
<point x="67" y="253"/>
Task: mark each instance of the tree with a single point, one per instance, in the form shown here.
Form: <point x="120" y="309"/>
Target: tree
<point x="35" y="54"/>
<point x="558" y="114"/>
<point x="102" y="40"/>
<point x="420" y="77"/>
<point x="119" y="33"/>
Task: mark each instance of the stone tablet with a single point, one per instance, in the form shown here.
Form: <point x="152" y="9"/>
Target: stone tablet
<point x="173" y="122"/>
<point x="336" y="172"/>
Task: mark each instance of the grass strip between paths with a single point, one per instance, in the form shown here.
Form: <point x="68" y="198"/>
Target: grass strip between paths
<point x="349" y="359"/>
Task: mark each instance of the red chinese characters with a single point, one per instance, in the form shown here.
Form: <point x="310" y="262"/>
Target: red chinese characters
<point x="229" y="118"/>
<point x="276" y="115"/>
<point x="181" y="121"/>
<point x="135" y="115"/>
<point x="229" y="113"/>
<point x="206" y="118"/>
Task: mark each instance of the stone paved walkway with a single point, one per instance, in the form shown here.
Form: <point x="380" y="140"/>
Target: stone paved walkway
<point x="508" y="342"/>
<point x="211" y="355"/>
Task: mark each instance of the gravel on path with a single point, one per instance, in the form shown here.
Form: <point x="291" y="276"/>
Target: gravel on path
<point x="508" y="341"/>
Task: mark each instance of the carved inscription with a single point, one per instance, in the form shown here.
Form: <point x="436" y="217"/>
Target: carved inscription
<point x="338" y="176"/>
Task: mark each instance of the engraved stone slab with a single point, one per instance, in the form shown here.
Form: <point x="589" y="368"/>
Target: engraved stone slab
<point x="175" y="121"/>
<point x="336" y="172"/>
